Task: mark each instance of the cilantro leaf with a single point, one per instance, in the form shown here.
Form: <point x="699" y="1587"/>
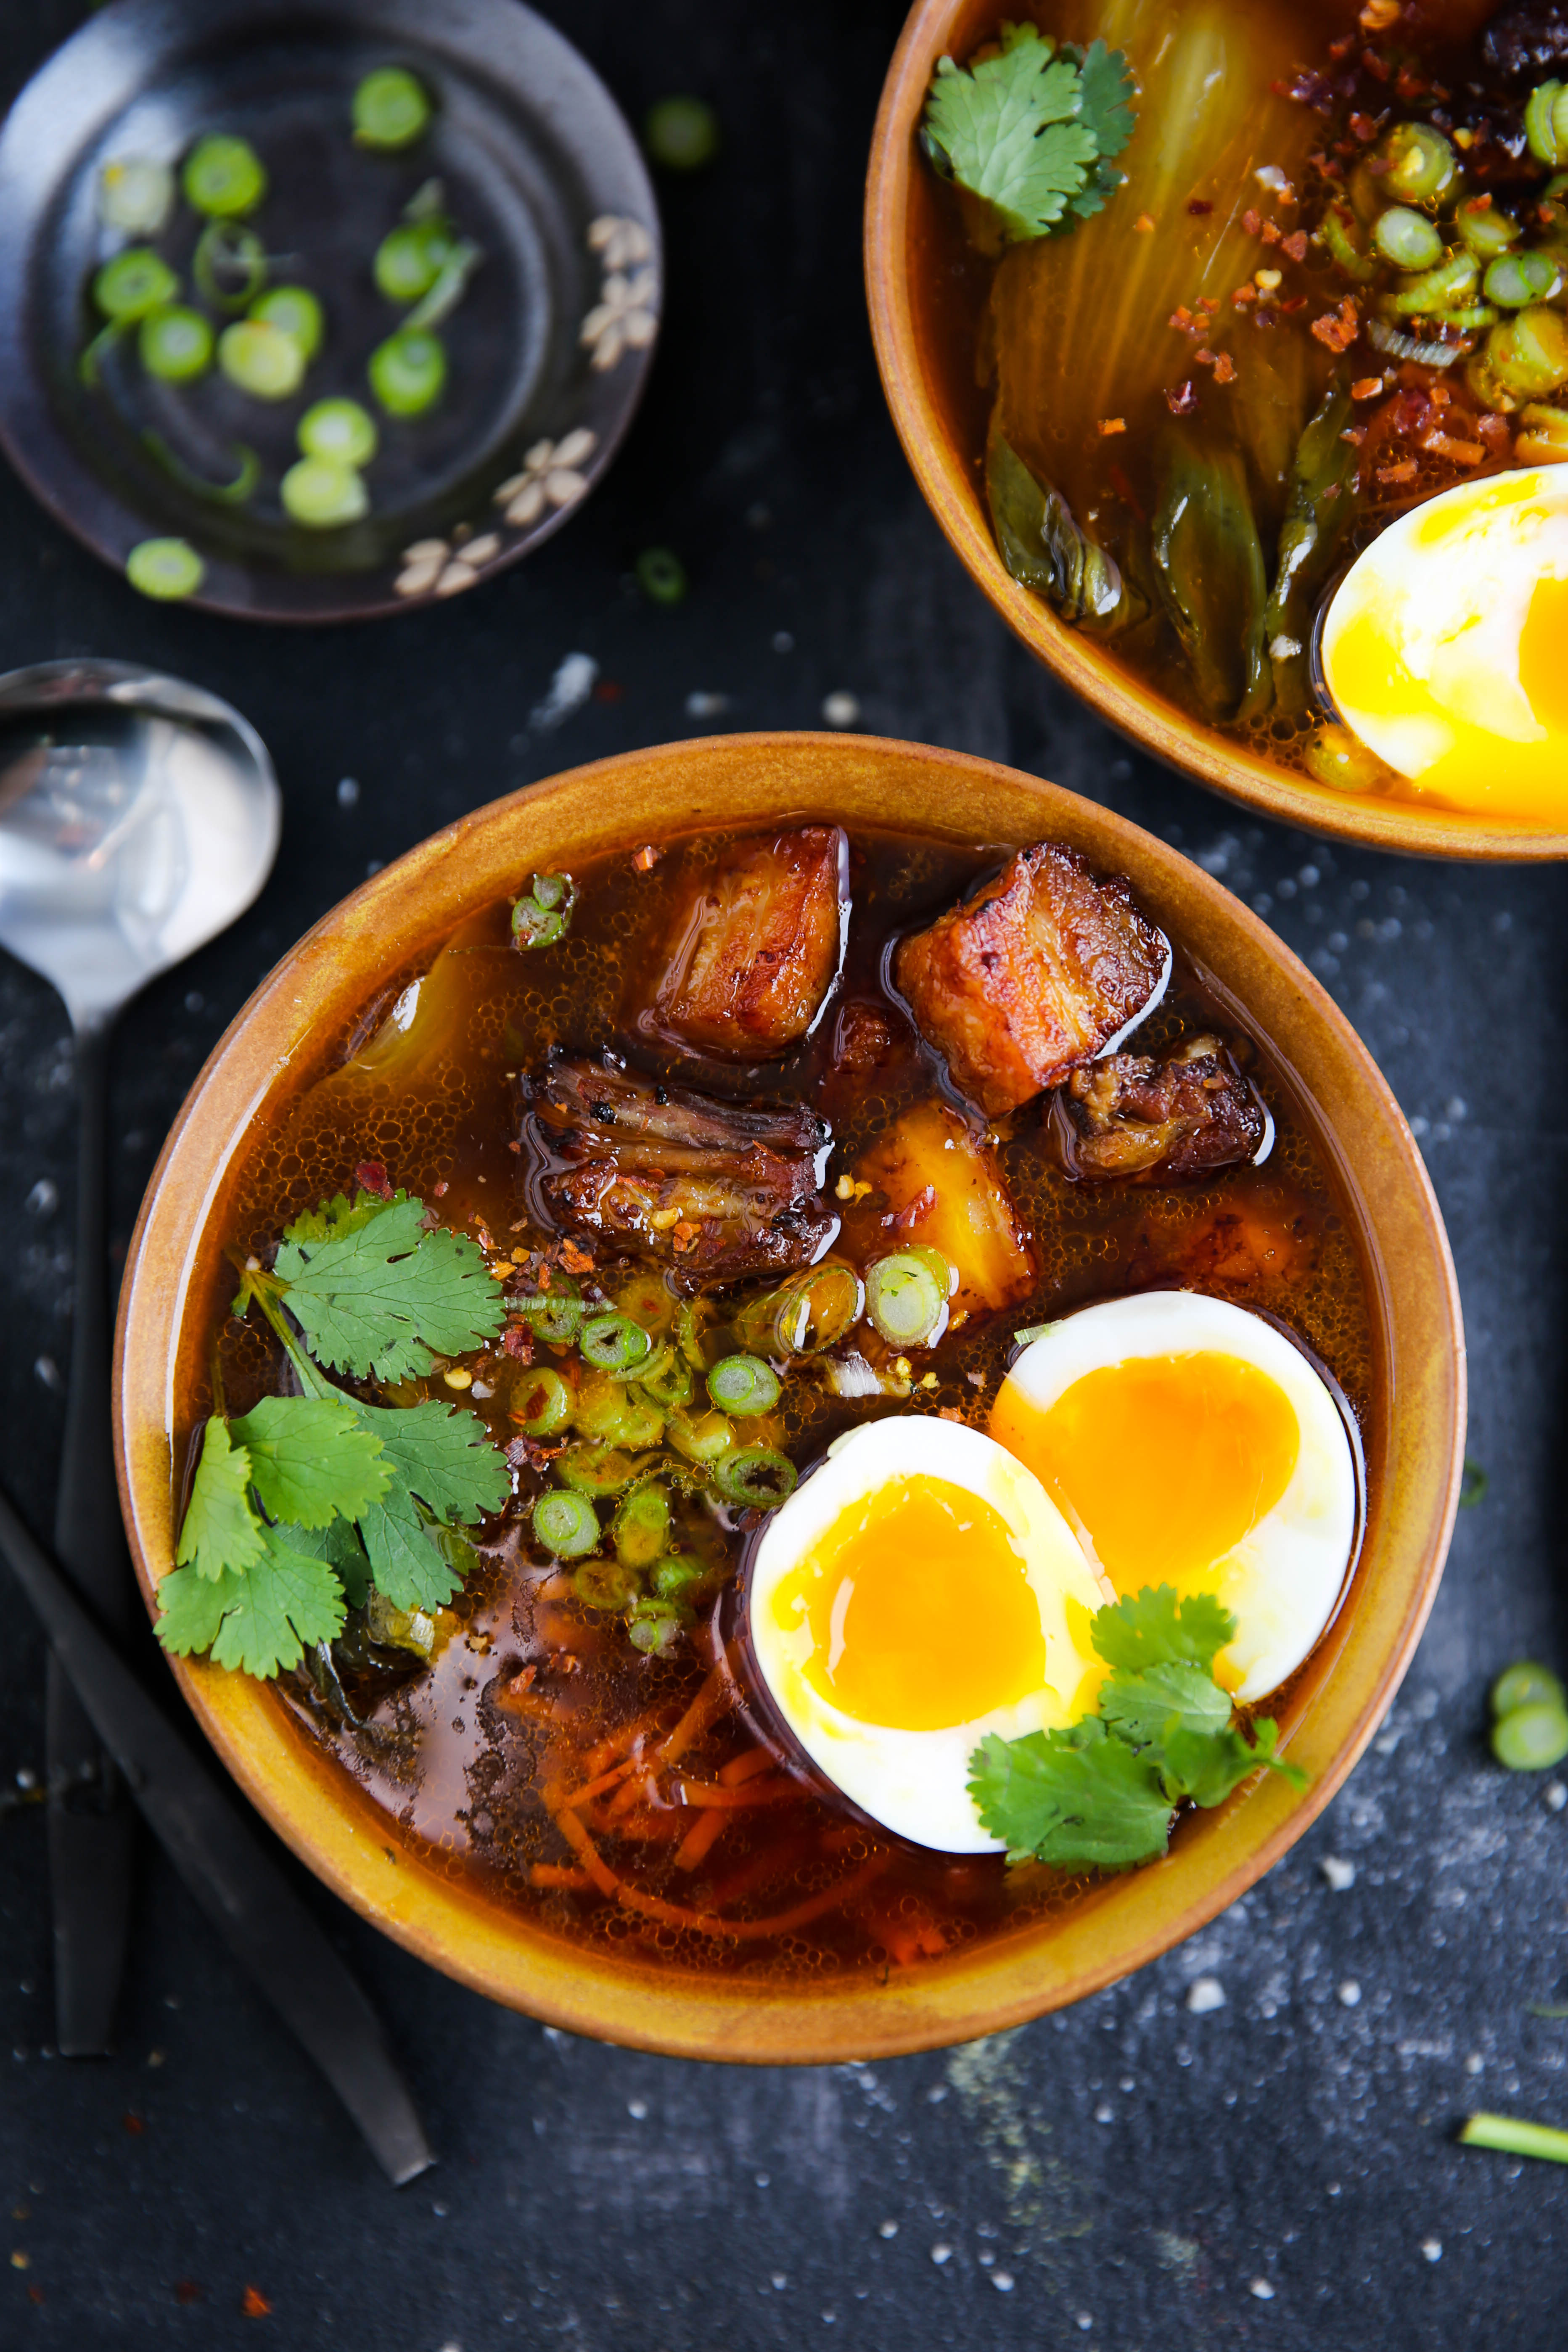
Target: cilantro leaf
<point x="331" y="1220"/>
<point x="220" y="1529"/>
<point x="1106" y="87"/>
<point x="409" y="1567"/>
<point x="340" y="1545"/>
<point x="1147" y="1708"/>
<point x="443" y="1456"/>
<point x="1152" y="1628"/>
<point x="1076" y="1798"/>
<point x="1005" y="130"/>
<point x="254" y="1619"/>
<point x="378" y="1297"/>
<point x="311" y="1459"/>
<point x="1208" y="1765"/>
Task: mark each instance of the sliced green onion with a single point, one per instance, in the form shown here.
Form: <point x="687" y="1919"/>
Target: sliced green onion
<point x="1540" y="124"/>
<point x="165" y="569"/>
<point x="676" y="1575"/>
<point x="1529" y="353"/>
<point x="661" y="575"/>
<point x="605" y="1408"/>
<point x="758" y="1476"/>
<point x="671" y="1383"/>
<point x="744" y="1385"/>
<point x="681" y="133"/>
<point x="604" y="1584"/>
<point x="1486" y="228"/>
<point x="339" y="429"/>
<point x="598" y="1469"/>
<point x="613" y="1343"/>
<point x="1337" y="231"/>
<point x="134" y="195"/>
<point x="1406" y="239"/>
<point x="704" y="1440"/>
<point x="542" y="1402"/>
<point x="392" y="107"/>
<point x="261" y="359"/>
<point x="1421" y="164"/>
<point x="566" y="1523"/>
<point x="640" y="1529"/>
<point x="226" y="494"/>
<point x="323" y="495"/>
<point x="176" y="345"/>
<point x="1542" y="431"/>
<point x="1514" y="280"/>
<point x="804" y="1316"/>
<point x="408" y="259"/>
<point x="1512" y="2135"/>
<point x="1452" y="281"/>
<point x="297" y="311"/>
<point x="544" y="915"/>
<point x="447" y="291"/>
<point x="1471" y="320"/>
<point x="1530" y="1738"/>
<point x="408" y="371"/>
<point x="224" y="177"/>
<point x="1526" y="1685"/>
<point x="907" y="1295"/>
<point x="133" y="285"/>
<point x="229" y="265"/>
<point x="656" y="1627"/>
<point x="557" y="1314"/>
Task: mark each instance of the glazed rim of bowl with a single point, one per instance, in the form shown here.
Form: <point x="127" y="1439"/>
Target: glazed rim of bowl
<point x="899" y="195"/>
<point x="1416" y="1453"/>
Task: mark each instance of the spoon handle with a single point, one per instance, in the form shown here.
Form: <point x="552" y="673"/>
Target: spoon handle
<point x="91" y="1825"/>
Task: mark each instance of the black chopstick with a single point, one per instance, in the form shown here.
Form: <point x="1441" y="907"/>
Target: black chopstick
<point x="244" y="1894"/>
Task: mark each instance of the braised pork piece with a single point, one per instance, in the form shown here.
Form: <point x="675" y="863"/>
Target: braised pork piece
<point x="709" y="1188"/>
<point x="1040" y="971"/>
<point x="1166" y="1118"/>
<point x="760" y="946"/>
<point x="575" y="1733"/>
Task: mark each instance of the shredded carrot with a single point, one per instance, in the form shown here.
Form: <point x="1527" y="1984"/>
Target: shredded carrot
<point x="597" y="1867"/>
<point x="596" y="1787"/>
<point x="558" y="1873"/>
<point x="706" y="1833"/>
<point x="759" y="1792"/>
<point x="711" y="1700"/>
<point x="636" y="1791"/>
<point x="741" y="1769"/>
<point x="777" y="1860"/>
<point x="616" y="1743"/>
<point x="532" y="1704"/>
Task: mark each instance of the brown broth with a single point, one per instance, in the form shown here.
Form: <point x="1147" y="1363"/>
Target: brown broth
<point x="1070" y="344"/>
<point x="456" y="1762"/>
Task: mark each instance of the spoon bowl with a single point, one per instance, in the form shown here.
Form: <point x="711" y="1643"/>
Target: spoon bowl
<point x="139" y="817"/>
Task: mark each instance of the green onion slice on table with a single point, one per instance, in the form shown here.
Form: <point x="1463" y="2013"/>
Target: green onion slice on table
<point x="408" y="371"/>
<point x="176" y="345"/>
<point x="392" y="107"/>
<point x="341" y="430"/>
<point x="224" y="177"/>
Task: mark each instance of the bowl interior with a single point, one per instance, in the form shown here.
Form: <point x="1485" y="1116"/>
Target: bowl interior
<point x="914" y="322"/>
<point x="1413" y="1442"/>
<point x="529" y="151"/>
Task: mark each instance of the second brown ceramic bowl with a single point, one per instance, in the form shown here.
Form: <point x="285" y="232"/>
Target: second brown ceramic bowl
<point x="903" y="239"/>
<point x="1412" y="1440"/>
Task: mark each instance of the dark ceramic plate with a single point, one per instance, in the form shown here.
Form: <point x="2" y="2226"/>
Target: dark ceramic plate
<point x="548" y="349"/>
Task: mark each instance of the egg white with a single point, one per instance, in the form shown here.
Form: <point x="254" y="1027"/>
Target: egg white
<point x="1283" y="1581"/>
<point x="916" y="1782"/>
<point x="1450" y="584"/>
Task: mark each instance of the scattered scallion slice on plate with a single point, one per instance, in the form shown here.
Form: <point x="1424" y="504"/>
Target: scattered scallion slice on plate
<point x="323" y="495"/>
<point x="165" y="569"/>
<point x="261" y="359"/>
<point x="176" y="345"/>
<point x="297" y="311"/>
<point x="408" y="371"/>
<point x="135" y="194"/>
<point x="229" y="265"/>
<point x="133" y="284"/>
<point x="224" y="177"/>
<point x="409" y="258"/>
<point x="392" y="107"/>
<point x="339" y="430"/>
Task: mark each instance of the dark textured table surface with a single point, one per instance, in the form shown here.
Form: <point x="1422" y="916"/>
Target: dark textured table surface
<point x="1146" y="2172"/>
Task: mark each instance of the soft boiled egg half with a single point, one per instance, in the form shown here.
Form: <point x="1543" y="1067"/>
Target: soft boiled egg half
<point x="928" y="1584"/>
<point x="1445" y="645"/>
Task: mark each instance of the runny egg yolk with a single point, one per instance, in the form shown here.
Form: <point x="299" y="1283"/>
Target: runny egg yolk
<point x="1444" y="647"/>
<point x="920" y="1608"/>
<point x="1164" y="1463"/>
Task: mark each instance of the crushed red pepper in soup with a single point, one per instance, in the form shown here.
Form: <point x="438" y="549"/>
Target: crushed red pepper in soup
<point x="691" y="1104"/>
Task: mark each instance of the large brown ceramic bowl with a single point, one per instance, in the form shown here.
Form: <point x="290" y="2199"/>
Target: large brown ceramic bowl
<point x="1412" y="1440"/>
<point x="904" y="288"/>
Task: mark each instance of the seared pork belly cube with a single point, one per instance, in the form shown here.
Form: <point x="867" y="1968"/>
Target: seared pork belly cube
<point x="1183" y="1114"/>
<point x="1045" y="968"/>
<point x="713" y="1189"/>
<point x="929" y="1179"/>
<point x="758" y="947"/>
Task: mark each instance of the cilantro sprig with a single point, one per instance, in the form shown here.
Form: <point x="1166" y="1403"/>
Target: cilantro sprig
<point x="1031" y="131"/>
<point x="300" y="1504"/>
<point x="1103" y="1793"/>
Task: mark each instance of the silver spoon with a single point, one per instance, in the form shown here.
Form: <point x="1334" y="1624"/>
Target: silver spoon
<point x="139" y="817"/>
